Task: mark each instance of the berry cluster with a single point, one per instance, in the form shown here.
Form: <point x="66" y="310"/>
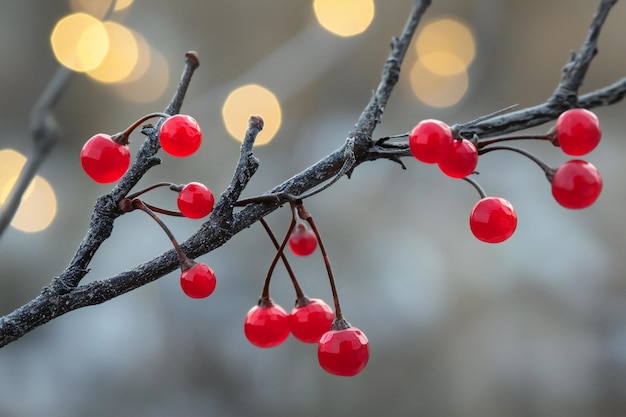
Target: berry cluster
<point x="106" y="158"/>
<point x="342" y="349"/>
<point x="575" y="185"/>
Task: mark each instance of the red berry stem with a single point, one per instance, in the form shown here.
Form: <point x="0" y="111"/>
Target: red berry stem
<point x="185" y="262"/>
<point x="172" y="186"/>
<point x="296" y="286"/>
<point x="545" y="167"/>
<point x="265" y="295"/>
<point x="122" y="137"/>
<point x="305" y="215"/>
<point x="487" y="142"/>
<point x="164" y="211"/>
<point x="477" y="186"/>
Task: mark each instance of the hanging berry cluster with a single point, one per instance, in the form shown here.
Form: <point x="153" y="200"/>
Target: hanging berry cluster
<point x="106" y="159"/>
<point x="575" y="185"/>
<point x="341" y="348"/>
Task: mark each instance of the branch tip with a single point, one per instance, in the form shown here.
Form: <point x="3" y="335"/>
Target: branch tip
<point x="256" y="122"/>
<point x="191" y="57"/>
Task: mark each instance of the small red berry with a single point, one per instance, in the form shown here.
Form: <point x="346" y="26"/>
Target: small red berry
<point x="429" y="139"/>
<point x="493" y="220"/>
<point x="578" y="131"/>
<point x="576" y="184"/>
<point x="266" y="326"/>
<point x="195" y="200"/>
<point x="198" y="281"/>
<point x="302" y="241"/>
<point x="343" y="352"/>
<point x="460" y="159"/>
<point x="309" y="322"/>
<point x="103" y="159"/>
<point x="180" y="135"/>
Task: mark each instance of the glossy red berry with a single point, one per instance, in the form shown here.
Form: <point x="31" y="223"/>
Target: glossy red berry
<point x="578" y="131"/>
<point x="180" y="135"/>
<point x="266" y="326"/>
<point x="198" y="281"/>
<point x="343" y="352"/>
<point x="576" y="184"/>
<point x="195" y="200"/>
<point x="103" y="159"/>
<point x="460" y="159"/>
<point x="309" y="322"/>
<point x="302" y="241"/>
<point x="429" y="139"/>
<point x="493" y="220"/>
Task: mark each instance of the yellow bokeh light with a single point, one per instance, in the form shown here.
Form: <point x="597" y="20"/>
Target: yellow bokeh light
<point x="121" y="56"/>
<point x="245" y="101"/>
<point x="437" y="90"/>
<point x="344" y="17"/>
<point x="149" y="86"/>
<point x="446" y="47"/>
<point x="79" y="41"/>
<point x="143" y="59"/>
<point x="37" y="209"/>
<point x="39" y="204"/>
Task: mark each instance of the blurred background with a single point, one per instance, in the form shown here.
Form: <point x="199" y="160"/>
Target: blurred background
<point x="535" y="326"/>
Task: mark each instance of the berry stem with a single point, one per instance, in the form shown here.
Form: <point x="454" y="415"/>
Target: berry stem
<point x="265" y="295"/>
<point x="122" y="137"/>
<point x="488" y="142"/>
<point x="305" y="215"/>
<point x="545" y="167"/>
<point x="185" y="262"/>
<point x="172" y="186"/>
<point x="476" y="185"/>
<point x="294" y="281"/>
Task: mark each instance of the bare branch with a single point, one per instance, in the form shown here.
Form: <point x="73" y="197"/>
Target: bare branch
<point x="64" y="294"/>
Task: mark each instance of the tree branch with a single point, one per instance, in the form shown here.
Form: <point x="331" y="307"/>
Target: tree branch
<point x="64" y="294"/>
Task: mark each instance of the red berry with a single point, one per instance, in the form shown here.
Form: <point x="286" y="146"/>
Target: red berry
<point x="578" y="131"/>
<point x="180" y="135"/>
<point x="302" y="241"/>
<point x="195" y="200"/>
<point x="576" y="184"/>
<point x="493" y="220"/>
<point x="198" y="281"/>
<point x="343" y="352"/>
<point x="460" y="159"/>
<point x="309" y="322"/>
<point x="429" y="139"/>
<point x="266" y="326"/>
<point x="103" y="159"/>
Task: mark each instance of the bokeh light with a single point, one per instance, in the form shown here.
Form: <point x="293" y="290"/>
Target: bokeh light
<point x="143" y="59"/>
<point x="445" y="49"/>
<point x="344" y="17"/>
<point x="437" y="90"/>
<point x="79" y="42"/>
<point x="245" y="101"/>
<point x="446" y="46"/>
<point x="149" y="86"/>
<point x="121" y="56"/>
<point x="39" y="204"/>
